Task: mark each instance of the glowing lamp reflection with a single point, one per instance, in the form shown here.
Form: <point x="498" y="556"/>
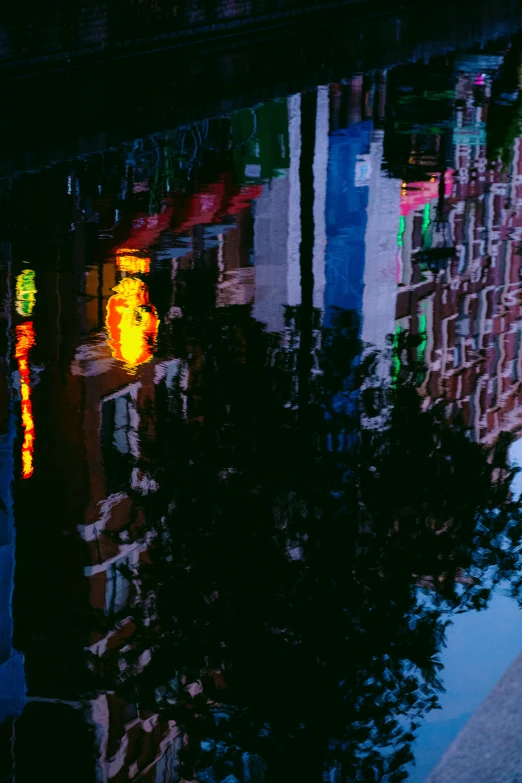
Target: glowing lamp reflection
<point x="25" y="339"/>
<point x="133" y="264"/>
<point x="25" y="292"/>
<point x="132" y="323"/>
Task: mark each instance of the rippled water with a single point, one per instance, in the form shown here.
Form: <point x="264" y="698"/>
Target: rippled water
<point x="261" y="402"/>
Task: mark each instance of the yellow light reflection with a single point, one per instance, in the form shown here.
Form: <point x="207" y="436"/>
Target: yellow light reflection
<point x="25" y="339"/>
<point x="25" y="292"/>
<point x="133" y="264"/>
<point x="132" y="323"/>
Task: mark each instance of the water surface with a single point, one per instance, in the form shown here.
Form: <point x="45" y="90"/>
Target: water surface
<point x="261" y="401"/>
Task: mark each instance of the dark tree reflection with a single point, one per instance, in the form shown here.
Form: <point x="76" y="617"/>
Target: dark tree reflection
<point x="304" y="568"/>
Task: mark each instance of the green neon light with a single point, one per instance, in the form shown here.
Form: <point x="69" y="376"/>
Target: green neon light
<point x="402" y="226"/>
<point x="426" y="218"/>
<point x="396" y="362"/>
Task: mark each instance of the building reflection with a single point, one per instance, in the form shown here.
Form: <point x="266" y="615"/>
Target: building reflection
<point x="469" y="332"/>
<point x="276" y="219"/>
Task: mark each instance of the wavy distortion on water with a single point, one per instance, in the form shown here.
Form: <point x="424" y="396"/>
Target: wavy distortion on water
<point x="25" y="339"/>
<point x="277" y="391"/>
<point x="132" y="323"/>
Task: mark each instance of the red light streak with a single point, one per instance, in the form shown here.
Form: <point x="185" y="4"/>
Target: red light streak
<point x="25" y="339"/>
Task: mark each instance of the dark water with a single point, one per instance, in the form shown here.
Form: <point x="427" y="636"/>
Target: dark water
<point x="261" y="401"/>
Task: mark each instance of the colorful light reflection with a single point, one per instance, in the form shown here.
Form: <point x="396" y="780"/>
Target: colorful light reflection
<point x="132" y="323"/>
<point x="25" y="293"/>
<point x="128" y="261"/>
<point x="414" y="195"/>
<point x="133" y="264"/>
<point x="25" y="339"/>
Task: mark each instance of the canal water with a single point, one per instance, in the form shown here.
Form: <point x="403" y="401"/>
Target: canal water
<point x="261" y="384"/>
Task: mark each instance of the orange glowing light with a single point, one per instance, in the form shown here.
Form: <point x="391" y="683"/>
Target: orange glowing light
<point x="132" y="323"/>
<point x="25" y="339"/>
<point x="133" y="264"/>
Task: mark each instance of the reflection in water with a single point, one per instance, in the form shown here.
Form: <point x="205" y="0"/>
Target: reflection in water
<point x="127" y="261"/>
<point x="267" y="478"/>
<point x="25" y="339"/>
<point x="25" y="292"/>
<point x="132" y="322"/>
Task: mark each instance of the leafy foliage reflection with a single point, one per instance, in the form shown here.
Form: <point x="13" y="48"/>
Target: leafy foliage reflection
<point x="307" y="562"/>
